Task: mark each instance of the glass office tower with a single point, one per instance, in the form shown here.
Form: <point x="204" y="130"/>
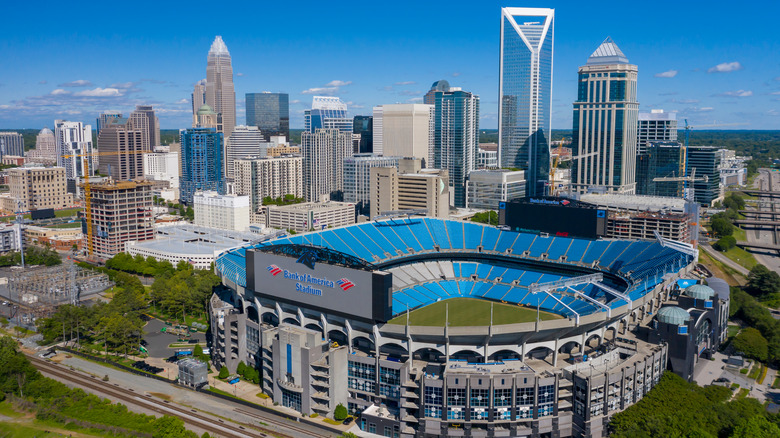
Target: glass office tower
<point x="202" y="162"/>
<point x="327" y="113"/>
<point x="270" y="112"/>
<point x="525" y="93"/>
<point x="660" y="159"/>
<point x="364" y="125"/>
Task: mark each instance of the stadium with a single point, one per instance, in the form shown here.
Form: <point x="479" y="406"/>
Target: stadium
<point x="431" y="327"/>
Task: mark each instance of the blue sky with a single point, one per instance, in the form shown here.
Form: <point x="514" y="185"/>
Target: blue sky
<point x="702" y="59"/>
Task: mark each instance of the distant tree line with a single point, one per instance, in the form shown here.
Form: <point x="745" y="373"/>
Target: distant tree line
<point x="33" y="255"/>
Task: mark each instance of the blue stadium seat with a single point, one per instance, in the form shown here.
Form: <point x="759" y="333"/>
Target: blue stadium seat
<point x="505" y="240"/>
<point x="385" y="229"/>
<point x="576" y="250"/>
<point x="473" y="234"/>
<point x="613" y="252"/>
<point x="595" y="249"/>
<point x="468" y="269"/>
<point x="490" y="238"/>
<point x="403" y="230"/>
<point x="439" y="233"/>
<point x="354" y="245"/>
<point x="539" y="246"/>
<point x="558" y="247"/>
<point x="483" y="270"/>
<point x="523" y="242"/>
<point x="359" y="233"/>
<point x="455" y="231"/>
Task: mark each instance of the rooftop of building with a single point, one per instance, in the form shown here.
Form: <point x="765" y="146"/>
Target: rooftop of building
<point x="607" y="53"/>
<point x="506" y="366"/>
<point x="304" y="206"/>
<point x="120" y="185"/>
<point x="634" y="202"/>
<point x="196" y="240"/>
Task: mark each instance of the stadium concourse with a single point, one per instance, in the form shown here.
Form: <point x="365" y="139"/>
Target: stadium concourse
<point x="285" y="309"/>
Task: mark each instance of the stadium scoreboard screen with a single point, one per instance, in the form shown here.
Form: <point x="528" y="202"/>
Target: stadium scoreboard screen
<point x="305" y="282"/>
<point x="43" y="213"/>
<point x="556" y="216"/>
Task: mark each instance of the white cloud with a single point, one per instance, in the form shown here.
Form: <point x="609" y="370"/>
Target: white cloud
<point x="324" y="91"/>
<point x="100" y="92"/>
<point x="77" y="83"/>
<point x="405" y="83"/>
<point x="725" y="67"/>
<point x="456" y="74"/>
<point x="704" y="109"/>
<point x="123" y="85"/>
<point x="773" y="112"/>
<point x="59" y="92"/>
<point x="295" y="102"/>
<point x="775" y="92"/>
<point x="685" y="101"/>
<point x="415" y="100"/>
<point x="667" y="74"/>
<point x="338" y="83"/>
<point x="43" y="82"/>
<point x="737" y="93"/>
<point x="410" y="93"/>
<point x="182" y="101"/>
<point x="239" y="74"/>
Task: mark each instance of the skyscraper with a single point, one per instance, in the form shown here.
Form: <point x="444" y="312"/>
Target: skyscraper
<point x="105" y="117"/>
<point x="143" y="118"/>
<point x="323" y="162"/>
<point x="328" y="113"/>
<point x="605" y="123"/>
<point x="11" y="143"/>
<point x="660" y="159"/>
<point x="74" y="140"/>
<point x="706" y="161"/>
<point x="220" y="94"/>
<point x="364" y="126"/>
<point x="270" y="112"/>
<point x="525" y="93"/>
<point x="245" y="141"/>
<point x="198" y="100"/>
<point x="656" y="125"/>
<point x="45" y="147"/>
<point x="405" y="130"/>
<point x="357" y="170"/>
<point x="118" y="135"/>
<point x="202" y="162"/>
<point x="456" y="136"/>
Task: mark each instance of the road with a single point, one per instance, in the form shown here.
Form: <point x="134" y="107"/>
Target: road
<point x="723" y="259"/>
<point x="199" y="411"/>
<point x="766" y="180"/>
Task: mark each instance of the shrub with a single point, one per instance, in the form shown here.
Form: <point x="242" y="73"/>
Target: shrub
<point x="725" y="243"/>
<point x="340" y="413"/>
<point x="223" y="372"/>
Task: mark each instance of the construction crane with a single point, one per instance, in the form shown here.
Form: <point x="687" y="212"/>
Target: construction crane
<point x="692" y="179"/>
<point x="87" y="189"/>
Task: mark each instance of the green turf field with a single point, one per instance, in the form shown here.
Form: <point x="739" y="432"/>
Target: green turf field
<point x="471" y="312"/>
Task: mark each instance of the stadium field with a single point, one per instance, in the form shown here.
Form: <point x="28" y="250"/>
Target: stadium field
<point x="471" y="312"/>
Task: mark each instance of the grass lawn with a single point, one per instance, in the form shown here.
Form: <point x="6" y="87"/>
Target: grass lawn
<point x="732" y="330"/>
<point x="739" y="234"/>
<point x="742" y="257"/>
<point x="66" y="225"/>
<point x="67" y="212"/>
<point x="470" y="312"/>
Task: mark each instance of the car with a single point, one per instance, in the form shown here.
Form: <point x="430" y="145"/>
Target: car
<point x="192" y="341"/>
<point x="347" y="421"/>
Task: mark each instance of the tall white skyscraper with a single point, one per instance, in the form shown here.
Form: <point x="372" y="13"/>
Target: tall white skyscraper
<point x="74" y="139"/>
<point x="655" y="126"/>
<point x="403" y="130"/>
<point x="220" y="93"/>
<point x="605" y="123"/>
<point x="323" y="162"/>
<point x="245" y="141"/>
<point x="525" y="93"/>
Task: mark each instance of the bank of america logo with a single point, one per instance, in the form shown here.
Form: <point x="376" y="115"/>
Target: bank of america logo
<point x="565" y="202"/>
<point x="345" y="284"/>
<point x="273" y="269"/>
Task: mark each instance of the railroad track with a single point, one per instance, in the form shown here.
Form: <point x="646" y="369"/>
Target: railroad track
<point x="213" y="425"/>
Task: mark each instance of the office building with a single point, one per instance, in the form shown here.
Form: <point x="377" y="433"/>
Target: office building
<point x="45" y="151"/>
<point x="201" y="162"/>
<point x="38" y="187"/>
<point x="525" y="93"/>
<point x="323" y="162"/>
<point x="455" y="138"/>
<point x="357" y="177"/>
<point x="198" y="100"/>
<point x="655" y="126"/>
<point x="269" y="177"/>
<point x="440" y="85"/>
<point x="104" y="118"/>
<point x="706" y="161"/>
<point x="143" y="118"/>
<point x="270" y="112"/>
<point x="162" y="166"/>
<point x="245" y="141"/>
<point x="220" y="94"/>
<point x="73" y="143"/>
<point x="123" y="143"/>
<point x="404" y="130"/>
<point x="309" y="216"/>
<point x="206" y="117"/>
<point x="486" y="188"/>
<point x="364" y="127"/>
<point x="605" y="123"/>
<point x="121" y="212"/>
<point x="11" y="143"/>
<point x="327" y="113"/>
<point x="409" y="187"/>
<point x="225" y="212"/>
<point x="660" y="160"/>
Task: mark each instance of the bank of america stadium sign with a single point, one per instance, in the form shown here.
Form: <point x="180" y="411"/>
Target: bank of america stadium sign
<point x="307" y="283"/>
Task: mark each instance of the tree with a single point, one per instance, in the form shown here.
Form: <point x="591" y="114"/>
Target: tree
<point x="198" y="351"/>
<point x="733" y="201"/>
<point x="762" y="281"/>
<point x="725" y="243"/>
<point x="722" y="226"/>
<point x="756" y="427"/>
<point x="241" y="368"/>
<point x="223" y="372"/>
<point x="750" y="342"/>
<point x="340" y="413"/>
<point x="487" y="217"/>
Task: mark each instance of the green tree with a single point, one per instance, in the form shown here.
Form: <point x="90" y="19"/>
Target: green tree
<point x="733" y="201"/>
<point x="198" y="351"/>
<point x="241" y="368"/>
<point x="487" y="217"/>
<point x="752" y="344"/>
<point x="762" y="281"/>
<point x="340" y="413"/>
<point x="722" y="226"/>
<point x="725" y="243"/>
<point x="756" y="427"/>
<point x="223" y="372"/>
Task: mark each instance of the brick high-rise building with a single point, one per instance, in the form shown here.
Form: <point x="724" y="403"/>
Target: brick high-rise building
<point x="120" y="212"/>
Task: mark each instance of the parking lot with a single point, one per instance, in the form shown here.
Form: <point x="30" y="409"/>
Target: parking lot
<point x="157" y="342"/>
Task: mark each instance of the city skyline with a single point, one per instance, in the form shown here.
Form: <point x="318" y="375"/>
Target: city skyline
<point x="685" y="65"/>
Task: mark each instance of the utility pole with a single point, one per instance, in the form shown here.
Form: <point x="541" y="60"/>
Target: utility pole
<point x="19" y="218"/>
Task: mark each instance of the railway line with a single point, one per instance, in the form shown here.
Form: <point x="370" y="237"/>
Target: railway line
<point x="213" y="425"/>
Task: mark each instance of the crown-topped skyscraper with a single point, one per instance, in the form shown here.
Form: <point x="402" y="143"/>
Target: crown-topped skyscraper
<point x="220" y="93"/>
